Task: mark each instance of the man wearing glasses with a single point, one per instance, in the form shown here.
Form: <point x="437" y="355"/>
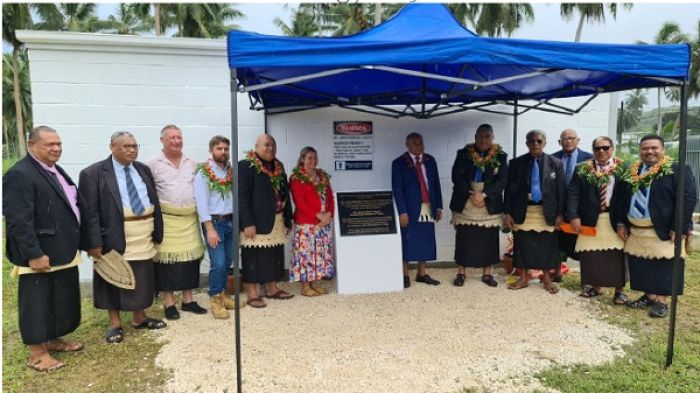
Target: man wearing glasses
<point x="534" y="209"/>
<point x="570" y="156"/>
<point x="121" y="212"/>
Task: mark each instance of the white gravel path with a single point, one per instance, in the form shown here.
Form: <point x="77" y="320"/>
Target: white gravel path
<point x="424" y="339"/>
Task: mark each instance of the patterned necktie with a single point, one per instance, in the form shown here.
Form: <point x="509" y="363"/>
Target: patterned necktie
<point x="535" y="191"/>
<point x="569" y="168"/>
<point x="640" y="201"/>
<point x="136" y="204"/>
<point x="424" y="196"/>
<point x="603" y="193"/>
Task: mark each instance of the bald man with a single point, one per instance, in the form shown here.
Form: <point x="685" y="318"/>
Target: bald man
<point x="266" y="219"/>
<point x="570" y="156"/>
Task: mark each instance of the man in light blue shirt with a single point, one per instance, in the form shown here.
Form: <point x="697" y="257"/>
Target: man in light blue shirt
<point x="214" y="197"/>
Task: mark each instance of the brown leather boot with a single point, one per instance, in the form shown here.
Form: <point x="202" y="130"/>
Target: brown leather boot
<point x="217" y="307"/>
<point x="228" y="302"/>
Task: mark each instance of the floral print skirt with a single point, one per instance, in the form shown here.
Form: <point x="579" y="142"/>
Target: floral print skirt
<point x="312" y="253"/>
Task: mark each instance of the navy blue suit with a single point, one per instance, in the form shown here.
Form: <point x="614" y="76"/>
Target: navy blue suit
<point x="418" y="238"/>
<point x="567" y="242"/>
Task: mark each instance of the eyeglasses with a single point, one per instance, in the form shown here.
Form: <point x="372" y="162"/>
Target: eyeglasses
<point x="130" y="147"/>
<point x="603" y="148"/>
<point x="536" y="141"/>
<point x="569" y="139"/>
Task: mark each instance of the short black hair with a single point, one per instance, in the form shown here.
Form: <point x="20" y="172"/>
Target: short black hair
<point x="650" y="137"/>
<point x="484" y="127"/>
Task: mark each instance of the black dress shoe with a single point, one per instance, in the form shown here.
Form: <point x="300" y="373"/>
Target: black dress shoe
<point x="426" y="279"/>
<point x="193" y="307"/>
<point x="406" y="281"/>
<point x="488" y="280"/>
<point x="459" y="280"/>
<point x="658" y="310"/>
<point x="171" y="313"/>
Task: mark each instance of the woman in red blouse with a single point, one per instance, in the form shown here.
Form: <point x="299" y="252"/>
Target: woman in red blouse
<point x="312" y="247"/>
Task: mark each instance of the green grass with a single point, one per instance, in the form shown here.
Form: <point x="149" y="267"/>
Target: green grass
<point x="100" y="367"/>
<point x="642" y="370"/>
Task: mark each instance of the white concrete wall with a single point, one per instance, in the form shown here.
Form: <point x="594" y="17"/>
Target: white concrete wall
<point x="88" y="86"/>
<point x="442" y="136"/>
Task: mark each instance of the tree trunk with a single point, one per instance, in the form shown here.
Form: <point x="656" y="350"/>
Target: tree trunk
<point x="156" y="13"/>
<point x="378" y="13"/>
<point x="658" y="111"/>
<point x="18" y="104"/>
<point x="579" y="29"/>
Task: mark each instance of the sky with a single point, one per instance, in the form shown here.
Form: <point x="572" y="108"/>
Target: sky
<point x="641" y="23"/>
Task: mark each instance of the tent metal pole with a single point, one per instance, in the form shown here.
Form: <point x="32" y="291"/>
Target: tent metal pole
<point x="515" y="128"/>
<point x="236" y="262"/>
<point x="678" y="225"/>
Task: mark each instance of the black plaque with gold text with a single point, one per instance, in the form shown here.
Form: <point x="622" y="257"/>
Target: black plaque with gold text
<point x="366" y="213"/>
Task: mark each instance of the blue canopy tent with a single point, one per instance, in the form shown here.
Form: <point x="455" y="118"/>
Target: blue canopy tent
<point x="422" y="63"/>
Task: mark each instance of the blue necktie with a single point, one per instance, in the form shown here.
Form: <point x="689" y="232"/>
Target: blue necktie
<point x="569" y="168"/>
<point x="640" y="200"/>
<point x="535" y="192"/>
<point x="136" y="205"/>
<point x="479" y="174"/>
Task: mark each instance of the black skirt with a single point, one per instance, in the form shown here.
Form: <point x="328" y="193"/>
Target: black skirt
<point x="262" y="264"/>
<point x="567" y="245"/>
<point x="49" y="305"/>
<point x="109" y="297"/>
<point x="535" y="250"/>
<point x="176" y="276"/>
<point x="476" y="246"/>
<point x="603" y="268"/>
<point x="654" y="275"/>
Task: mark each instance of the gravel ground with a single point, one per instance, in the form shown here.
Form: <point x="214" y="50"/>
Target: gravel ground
<point x="424" y="339"/>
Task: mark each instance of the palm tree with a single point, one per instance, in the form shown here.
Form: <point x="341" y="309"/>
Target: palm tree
<point x="493" y="19"/>
<point x="162" y="17"/>
<point x="205" y="20"/>
<point x="15" y="17"/>
<point x="670" y="33"/>
<point x="127" y="21"/>
<point x="589" y="12"/>
<point x="350" y="18"/>
<point x="302" y="25"/>
<point x="8" y="101"/>
<point x="634" y="104"/>
<point x="68" y="17"/>
<point x="694" y="88"/>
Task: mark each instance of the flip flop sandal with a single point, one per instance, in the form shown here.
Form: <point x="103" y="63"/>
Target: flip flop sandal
<point x="114" y="335"/>
<point x="66" y="347"/>
<point x="310" y="292"/>
<point x="150" y="324"/>
<point x="588" y="292"/>
<point x="280" y="295"/>
<point x="256" y="302"/>
<point x="37" y="363"/>
<point x="552" y="289"/>
<point x="515" y="286"/>
<point x="320" y="290"/>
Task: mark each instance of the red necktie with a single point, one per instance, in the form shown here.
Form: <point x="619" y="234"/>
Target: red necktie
<point x="424" y="196"/>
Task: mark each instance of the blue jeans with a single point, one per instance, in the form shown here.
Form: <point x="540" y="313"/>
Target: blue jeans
<point x="220" y="258"/>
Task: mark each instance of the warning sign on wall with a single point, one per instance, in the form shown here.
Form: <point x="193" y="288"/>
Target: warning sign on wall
<point x="353" y="145"/>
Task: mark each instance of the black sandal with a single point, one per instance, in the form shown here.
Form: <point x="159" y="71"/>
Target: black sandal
<point x="459" y="280"/>
<point x="642" y="302"/>
<point x="620" y="299"/>
<point x="588" y="291"/>
<point x="488" y="280"/>
<point x="150" y="324"/>
<point x="114" y="335"/>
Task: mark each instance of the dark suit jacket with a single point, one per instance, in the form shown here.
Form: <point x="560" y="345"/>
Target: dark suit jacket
<point x="552" y="184"/>
<point x="256" y="204"/>
<point x="583" y="201"/>
<point x="406" y="189"/>
<point x="103" y="213"/>
<point x="463" y="172"/>
<point x="38" y="216"/>
<point x="662" y="202"/>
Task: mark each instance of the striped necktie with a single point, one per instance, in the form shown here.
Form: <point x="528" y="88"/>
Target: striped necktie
<point x="640" y="201"/>
<point x="136" y="204"/>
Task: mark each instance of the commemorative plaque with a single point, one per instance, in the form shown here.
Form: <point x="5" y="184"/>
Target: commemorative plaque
<point x="366" y="213"/>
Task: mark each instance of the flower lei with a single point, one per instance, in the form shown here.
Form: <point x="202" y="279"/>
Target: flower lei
<point x="277" y="175"/>
<point x="223" y="186"/>
<point x="490" y="160"/>
<point x="661" y="168"/>
<point x="588" y="172"/>
<point x="324" y="182"/>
